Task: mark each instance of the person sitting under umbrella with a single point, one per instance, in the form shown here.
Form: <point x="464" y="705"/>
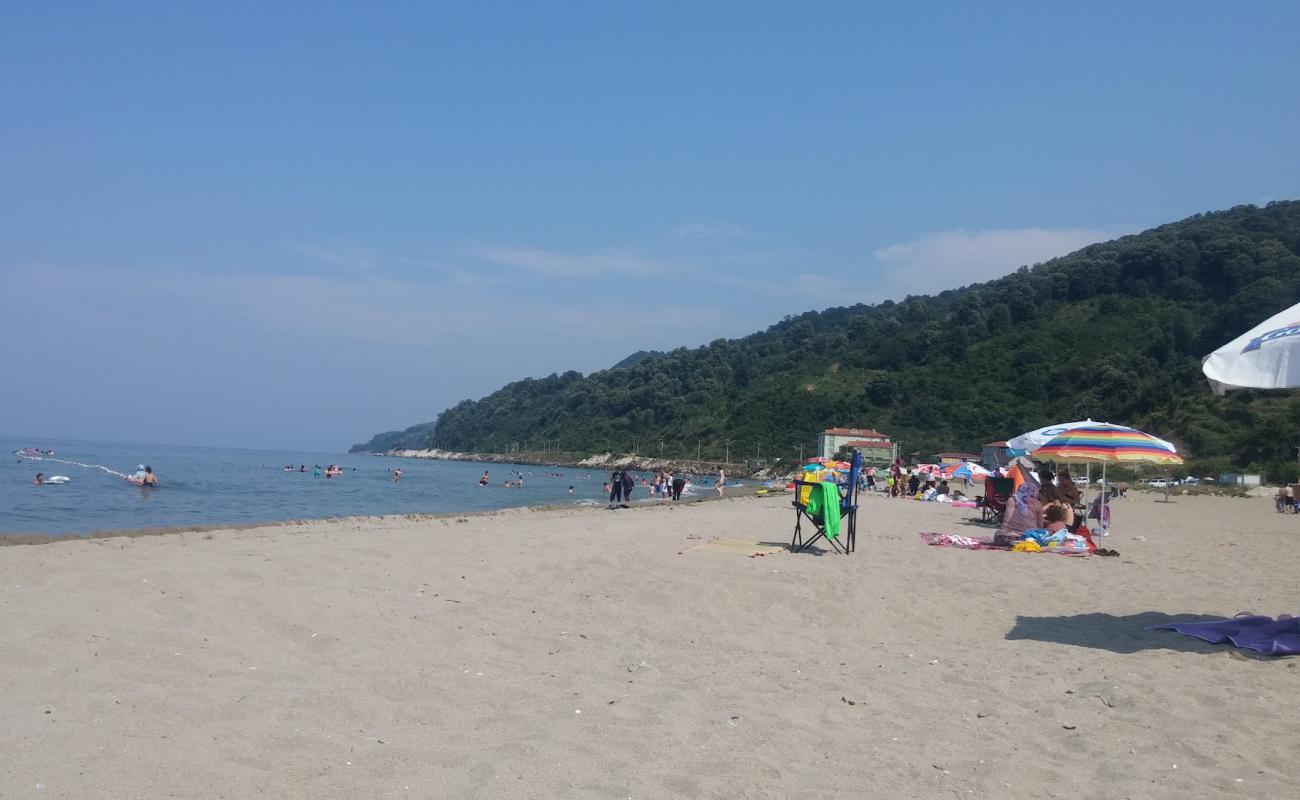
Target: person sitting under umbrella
<point x="1053" y="496"/>
<point x="1024" y="511"/>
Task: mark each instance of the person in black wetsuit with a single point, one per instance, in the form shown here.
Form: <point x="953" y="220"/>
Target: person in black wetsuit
<point x="616" y="487"/>
<point x="628" y="483"/>
<point x="678" y="483"/>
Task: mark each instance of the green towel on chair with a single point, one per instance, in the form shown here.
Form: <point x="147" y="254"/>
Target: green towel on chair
<point x="824" y="502"/>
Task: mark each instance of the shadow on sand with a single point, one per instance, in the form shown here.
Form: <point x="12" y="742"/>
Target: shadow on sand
<point x="815" y="550"/>
<point x="1127" y="634"/>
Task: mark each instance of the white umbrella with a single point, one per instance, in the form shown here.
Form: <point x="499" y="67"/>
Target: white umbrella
<point x="1260" y="358"/>
<point x="1031" y="441"/>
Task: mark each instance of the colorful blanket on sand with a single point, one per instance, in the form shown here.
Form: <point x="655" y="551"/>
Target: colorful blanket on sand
<point x="1273" y="637"/>
<point x="961" y="542"/>
<point x="982" y="543"/>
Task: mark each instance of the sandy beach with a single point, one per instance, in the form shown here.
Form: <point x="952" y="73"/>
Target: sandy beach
<point x="598" y="654"/>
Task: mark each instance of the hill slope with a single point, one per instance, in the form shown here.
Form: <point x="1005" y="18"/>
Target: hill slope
<point x="1114" y="331"/>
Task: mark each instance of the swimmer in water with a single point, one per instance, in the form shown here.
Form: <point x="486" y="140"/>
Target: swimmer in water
<point x="483" y="481"/>
<point x="40" y="479"/>
<point x="149" y="478"/>
<point x="397" y="475"/>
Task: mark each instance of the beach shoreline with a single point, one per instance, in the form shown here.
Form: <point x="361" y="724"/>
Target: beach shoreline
<point x="25" y="538"/>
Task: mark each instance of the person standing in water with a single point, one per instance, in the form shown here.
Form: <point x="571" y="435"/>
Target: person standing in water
<point x="616" y="487"/>
<point x="149" y="478"/>
<point x="721" y="482"/>
<point x="397" y="475"/>
<point x="483" y="481"/>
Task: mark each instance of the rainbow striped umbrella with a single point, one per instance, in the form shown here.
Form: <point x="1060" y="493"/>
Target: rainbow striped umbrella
<point x="1107" y="443"/>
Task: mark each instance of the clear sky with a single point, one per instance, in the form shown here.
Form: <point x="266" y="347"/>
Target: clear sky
<point x="261" y="224"/>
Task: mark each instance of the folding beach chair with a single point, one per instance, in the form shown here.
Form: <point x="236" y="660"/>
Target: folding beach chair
<point x="997" y="491"/>
<point x="848" y="499"/>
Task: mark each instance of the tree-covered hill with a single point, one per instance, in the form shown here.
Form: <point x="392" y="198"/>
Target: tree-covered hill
<point x="1115" y="331"/>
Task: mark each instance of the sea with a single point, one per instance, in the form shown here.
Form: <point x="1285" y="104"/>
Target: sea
<point x="203" y="486"/>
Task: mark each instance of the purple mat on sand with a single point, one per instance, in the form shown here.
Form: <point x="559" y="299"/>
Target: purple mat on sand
<point x="1274" y="637"/>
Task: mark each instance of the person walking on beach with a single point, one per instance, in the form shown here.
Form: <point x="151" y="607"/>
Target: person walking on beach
<point x="616" y="487"/>
<point x="721" y="482"/>
<point x="679" y="483"/>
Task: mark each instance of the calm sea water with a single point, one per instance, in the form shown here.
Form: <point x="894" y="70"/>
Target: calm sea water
<point x="206" y="485"/>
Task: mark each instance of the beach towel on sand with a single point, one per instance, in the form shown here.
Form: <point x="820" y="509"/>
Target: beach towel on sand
<point x="961" y="542"/>
<point x="1273" y="637"/>
<point x="825" y="502"/>
<point x="985" y="543"/>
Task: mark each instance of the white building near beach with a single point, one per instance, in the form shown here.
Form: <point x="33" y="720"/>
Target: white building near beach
<point x="875" y="447"/>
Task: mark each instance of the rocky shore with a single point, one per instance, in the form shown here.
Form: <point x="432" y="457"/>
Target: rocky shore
<point x="603" y="461"/>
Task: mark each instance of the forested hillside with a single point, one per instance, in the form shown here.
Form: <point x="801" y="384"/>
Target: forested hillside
<point x="1114" y="332"/>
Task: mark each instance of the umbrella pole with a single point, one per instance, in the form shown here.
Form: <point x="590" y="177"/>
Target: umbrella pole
<point x="1101" y="509"/>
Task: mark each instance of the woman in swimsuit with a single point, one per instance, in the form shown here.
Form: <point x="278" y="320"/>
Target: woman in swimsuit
<point x="149" y="478"/>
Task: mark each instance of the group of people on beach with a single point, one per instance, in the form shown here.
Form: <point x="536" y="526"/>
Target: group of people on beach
<point x="1286" y="500"/>
<point x="904" y="483"/>
<point x="1047" y="508"/>
<point x="663" y="485"/>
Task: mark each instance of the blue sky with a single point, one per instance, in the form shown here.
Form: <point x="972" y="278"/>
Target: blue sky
<point x="293" y="226"/>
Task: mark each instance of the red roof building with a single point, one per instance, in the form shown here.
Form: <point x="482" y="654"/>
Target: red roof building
<point x="875" y="447"/>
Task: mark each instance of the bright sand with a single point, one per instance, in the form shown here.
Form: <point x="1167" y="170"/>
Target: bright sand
<point x="582" y="654"/>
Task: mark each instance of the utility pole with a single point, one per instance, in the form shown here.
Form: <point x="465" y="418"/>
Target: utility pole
<point x="698" y="445"/>
<point x="728" y="458"/>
